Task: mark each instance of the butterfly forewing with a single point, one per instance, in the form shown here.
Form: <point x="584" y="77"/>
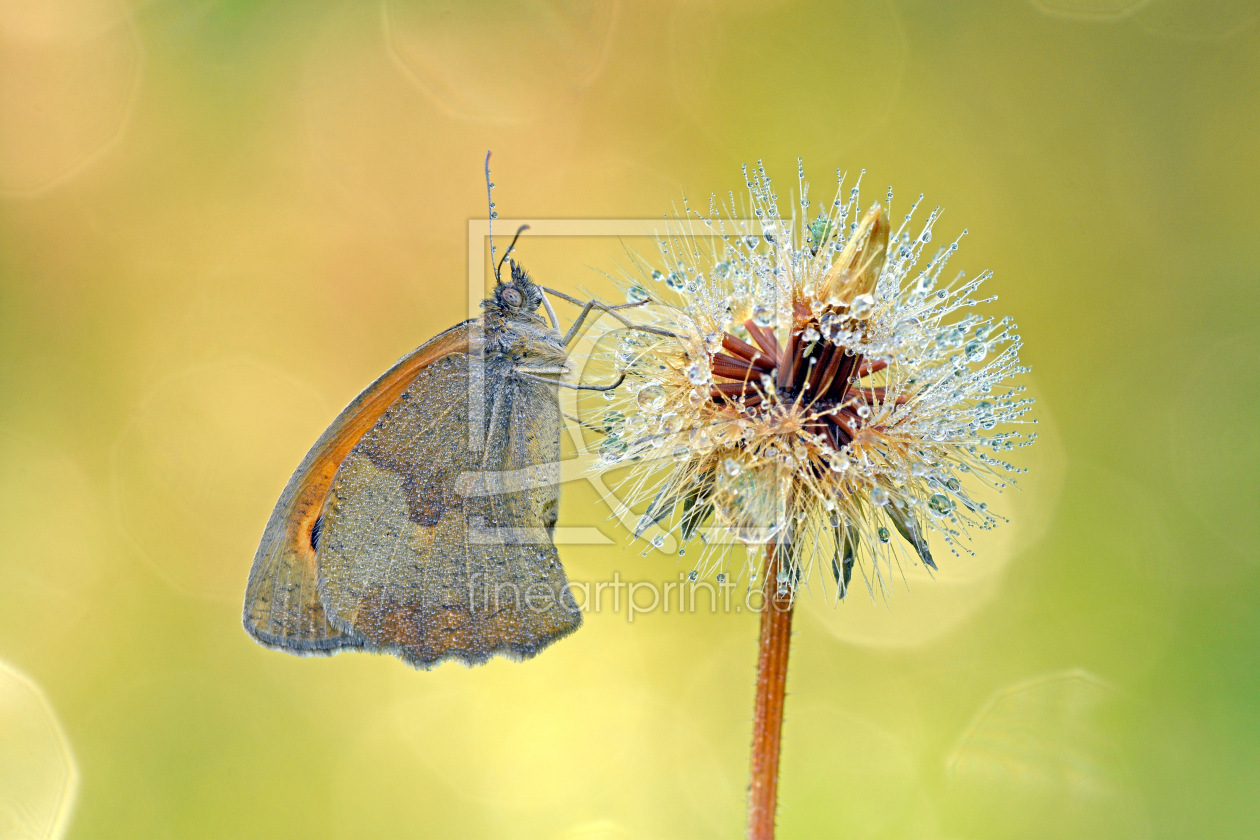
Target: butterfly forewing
<point x="282" y="607"/>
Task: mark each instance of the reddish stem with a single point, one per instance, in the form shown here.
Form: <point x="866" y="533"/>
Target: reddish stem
<point x="870" y="367"/>
<point x="730" y="389"/>
<point x="772" y="662"/>
<point x="764" y="336"/>
<point x="730" y="367"/>
<point x="744" y="350"/>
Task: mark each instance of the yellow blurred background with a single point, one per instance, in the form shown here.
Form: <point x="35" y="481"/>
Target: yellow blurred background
<point x="219" y="219"/>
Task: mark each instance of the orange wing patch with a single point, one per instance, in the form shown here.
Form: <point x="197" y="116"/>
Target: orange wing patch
<point x="351" y="425"/>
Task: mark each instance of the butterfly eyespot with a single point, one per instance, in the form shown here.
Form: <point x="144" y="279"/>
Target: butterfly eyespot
<point x="511" y="297"/>
<point x="316" y="529"/>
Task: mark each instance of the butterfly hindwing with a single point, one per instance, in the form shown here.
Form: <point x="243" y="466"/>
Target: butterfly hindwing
<point x="435" y="540"/>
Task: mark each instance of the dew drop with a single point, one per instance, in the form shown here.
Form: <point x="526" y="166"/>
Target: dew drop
<point x="651" y="398"/>
<point x="612" y="450"/>
<point x="862" y="307"/>
<point x="613" y="420"/>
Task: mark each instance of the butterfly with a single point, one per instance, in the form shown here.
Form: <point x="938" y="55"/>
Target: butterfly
<point x="420" y="523"/>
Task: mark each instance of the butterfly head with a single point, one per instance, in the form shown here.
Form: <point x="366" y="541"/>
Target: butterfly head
<point x="518" y="294"/>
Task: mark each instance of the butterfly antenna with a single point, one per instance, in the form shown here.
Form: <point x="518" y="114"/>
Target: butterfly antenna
<point x="519" y="231"/>
<point x="490" y="201"/>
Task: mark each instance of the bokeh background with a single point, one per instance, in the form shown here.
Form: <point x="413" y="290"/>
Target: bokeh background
<point x="219" y="219"/>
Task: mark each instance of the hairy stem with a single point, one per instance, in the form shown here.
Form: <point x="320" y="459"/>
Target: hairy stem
<point x="772" y="662"/>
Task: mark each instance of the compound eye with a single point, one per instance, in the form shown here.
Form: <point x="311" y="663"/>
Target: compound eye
<point x="511" y="297"/>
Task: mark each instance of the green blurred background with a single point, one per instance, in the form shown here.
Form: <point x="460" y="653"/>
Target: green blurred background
<point x="219" y="219"/>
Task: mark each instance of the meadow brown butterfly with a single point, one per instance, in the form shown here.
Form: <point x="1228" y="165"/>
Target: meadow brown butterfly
<point x="420" y="523"/>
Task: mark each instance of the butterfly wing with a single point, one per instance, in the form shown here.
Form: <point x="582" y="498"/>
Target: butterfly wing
<point x="435" y="543"/>
<point x="282" y="606"/>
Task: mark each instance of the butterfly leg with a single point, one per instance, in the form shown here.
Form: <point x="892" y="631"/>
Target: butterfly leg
<point x="551" y="313"/>
<point x="586" y="310"/>
<point x="621" y="377"/>
<point x="587" y="306"/>
<point x="577" y="322"/>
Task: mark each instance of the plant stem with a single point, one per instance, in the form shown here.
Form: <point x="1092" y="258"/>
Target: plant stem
<point x="772" y="662"/>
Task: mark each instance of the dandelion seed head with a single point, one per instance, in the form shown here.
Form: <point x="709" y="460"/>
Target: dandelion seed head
<point x="826" y="383"/>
